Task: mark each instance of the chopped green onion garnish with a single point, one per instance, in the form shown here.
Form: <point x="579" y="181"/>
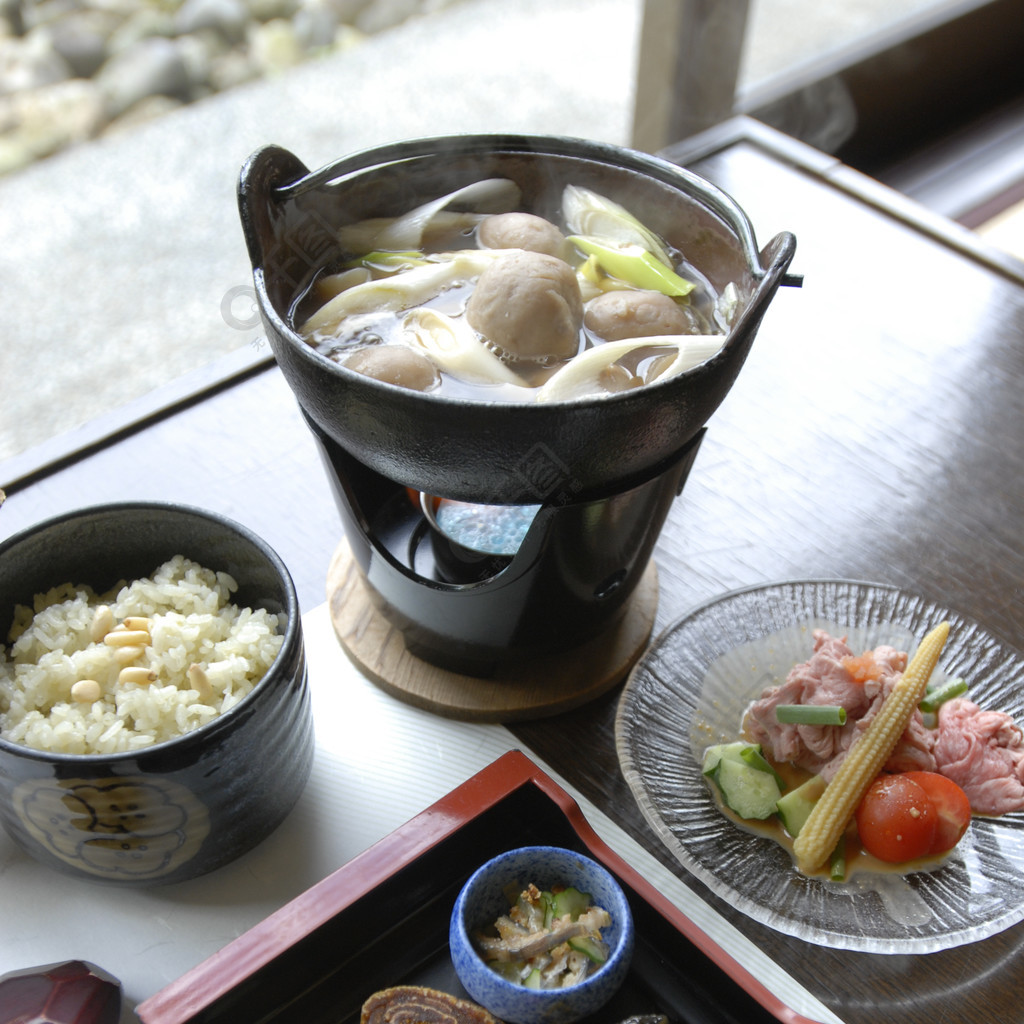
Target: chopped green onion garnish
<point x="940" y="694"/>
<point x="810" y="714"/>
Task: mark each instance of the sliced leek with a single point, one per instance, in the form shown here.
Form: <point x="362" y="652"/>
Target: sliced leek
<point x="400" y="291"/>
<point x="491" y="195"/>
<point x="580" y="377"/>
<point x="635" y="266"/>
<point x="592" y="215"/>
<point x="454" y="347"/>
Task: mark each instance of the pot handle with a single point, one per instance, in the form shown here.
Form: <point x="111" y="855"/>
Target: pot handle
<point x="258" y="194"/>
<point x="776" y="257"/>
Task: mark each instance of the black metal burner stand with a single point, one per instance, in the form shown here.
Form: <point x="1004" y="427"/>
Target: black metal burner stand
<point x="570" y="580"/>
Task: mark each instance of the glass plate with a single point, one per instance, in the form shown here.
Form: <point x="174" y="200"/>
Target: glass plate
<point x="690" y="690"/>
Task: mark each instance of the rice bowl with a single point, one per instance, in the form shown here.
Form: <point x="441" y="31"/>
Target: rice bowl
<point x="192" y="622"/>
<point x="187" y="790"/>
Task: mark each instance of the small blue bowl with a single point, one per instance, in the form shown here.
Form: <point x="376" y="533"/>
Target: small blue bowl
<point x="484" y="898"/>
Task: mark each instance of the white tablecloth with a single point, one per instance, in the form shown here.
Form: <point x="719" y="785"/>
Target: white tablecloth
<point x="366" y="781"/>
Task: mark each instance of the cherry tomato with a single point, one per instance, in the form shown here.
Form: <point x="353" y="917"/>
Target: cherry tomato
<point x="952" y="808"/>
<point x="896" y="819"/>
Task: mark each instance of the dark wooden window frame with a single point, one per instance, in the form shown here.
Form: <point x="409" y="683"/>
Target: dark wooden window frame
<point x="896" y="104"/>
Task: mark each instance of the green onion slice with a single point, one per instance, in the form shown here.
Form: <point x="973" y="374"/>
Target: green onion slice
<point x="837" y="862"/>
<point x="810" y="714"/>
<point x="940" y="694"/>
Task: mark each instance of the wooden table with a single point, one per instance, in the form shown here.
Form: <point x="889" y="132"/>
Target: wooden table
<point x="875" y="433"/>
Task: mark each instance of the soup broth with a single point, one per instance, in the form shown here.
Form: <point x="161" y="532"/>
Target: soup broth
<point x="421" y="301"/>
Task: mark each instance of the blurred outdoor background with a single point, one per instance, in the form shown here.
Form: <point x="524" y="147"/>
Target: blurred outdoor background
<point x="123" y="124"/>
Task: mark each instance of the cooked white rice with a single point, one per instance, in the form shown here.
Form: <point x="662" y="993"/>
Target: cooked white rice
<point x="192" y="622"/>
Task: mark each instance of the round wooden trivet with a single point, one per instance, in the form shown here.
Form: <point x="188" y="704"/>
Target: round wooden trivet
<point x="533" y="689"/>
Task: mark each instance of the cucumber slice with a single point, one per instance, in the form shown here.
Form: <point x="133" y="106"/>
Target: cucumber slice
<point x="549" y="908"/>
<point x="590" y="948"/>
<point x="753" y="756"/>
<point x="570" y="901"/>
<point x="749" y="792"/>
<point x="795" y="807"/>
<point x="728" y="751"/>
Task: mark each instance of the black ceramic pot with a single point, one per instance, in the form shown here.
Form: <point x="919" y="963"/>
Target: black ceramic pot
<point x="482" y="451"/>
<point x="183" y="807"/>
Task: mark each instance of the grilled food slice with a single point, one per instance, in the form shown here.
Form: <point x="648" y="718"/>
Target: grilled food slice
<point x="413" y="1004"/>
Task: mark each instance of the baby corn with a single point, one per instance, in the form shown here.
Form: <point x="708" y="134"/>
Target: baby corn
<point x="832" y="813"/>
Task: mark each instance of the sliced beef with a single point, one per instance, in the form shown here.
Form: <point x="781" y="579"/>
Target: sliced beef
<point x="983" y="752"/>
<point x="826" y="679"/>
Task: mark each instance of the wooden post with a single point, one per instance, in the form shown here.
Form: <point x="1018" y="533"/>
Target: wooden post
<point x="687" y="68"/>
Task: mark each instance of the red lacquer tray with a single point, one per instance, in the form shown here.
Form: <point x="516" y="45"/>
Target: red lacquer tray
<point x="382" y="920"/>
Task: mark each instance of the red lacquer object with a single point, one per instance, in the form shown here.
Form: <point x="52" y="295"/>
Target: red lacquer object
<point x="72" y="992"/>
